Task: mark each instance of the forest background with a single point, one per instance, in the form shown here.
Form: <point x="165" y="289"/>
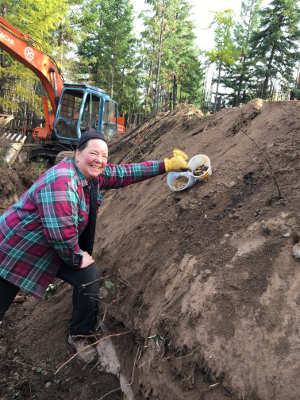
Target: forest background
<point x="255" y="54"/>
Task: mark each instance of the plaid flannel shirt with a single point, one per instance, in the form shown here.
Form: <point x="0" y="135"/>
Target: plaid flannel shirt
<point x="41" y="231"/>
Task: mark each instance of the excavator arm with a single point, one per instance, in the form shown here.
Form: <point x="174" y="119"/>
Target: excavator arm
<point x="30" y="53"/>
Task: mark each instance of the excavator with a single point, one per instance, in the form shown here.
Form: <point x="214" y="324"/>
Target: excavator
<point x="76" y="108"/>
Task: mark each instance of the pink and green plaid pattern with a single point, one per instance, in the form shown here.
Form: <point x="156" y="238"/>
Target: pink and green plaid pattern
<point x="40" y="231"/>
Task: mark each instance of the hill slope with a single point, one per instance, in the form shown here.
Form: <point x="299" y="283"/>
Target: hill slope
<point x="208" y="273"/>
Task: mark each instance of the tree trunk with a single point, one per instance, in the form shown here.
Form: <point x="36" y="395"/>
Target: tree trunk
<point x="180" y="92"/>
<point x="217" y="90"/>
<point x="112" y="83"/>
<point x="159" y="55"/>
<point x="174" y="92"/>
<point x="264" y="92"/>
<point x="241" y="79"/>
<point x="128" y="123"/>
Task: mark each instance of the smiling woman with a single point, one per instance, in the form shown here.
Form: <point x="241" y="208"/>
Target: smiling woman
<point x="50" y="231"/>
<point x="91" y="154"/>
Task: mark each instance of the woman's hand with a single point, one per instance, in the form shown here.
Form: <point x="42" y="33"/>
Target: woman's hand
<point x="86" y="259"/>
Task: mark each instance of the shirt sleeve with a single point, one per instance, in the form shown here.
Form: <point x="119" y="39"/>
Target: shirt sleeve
<point x="115" y="176"/>
<point x="58" y="204"/>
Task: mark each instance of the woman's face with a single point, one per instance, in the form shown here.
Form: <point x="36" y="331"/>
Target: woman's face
<point x="93" y="159"/>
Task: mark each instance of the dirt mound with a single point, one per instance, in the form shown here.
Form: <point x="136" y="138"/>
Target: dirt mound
<point x="204" y="281"/>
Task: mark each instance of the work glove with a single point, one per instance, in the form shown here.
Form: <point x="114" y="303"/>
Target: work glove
<point x="178" y="162"/>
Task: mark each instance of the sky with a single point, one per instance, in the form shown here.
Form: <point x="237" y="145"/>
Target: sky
<point x="202" y="17"/>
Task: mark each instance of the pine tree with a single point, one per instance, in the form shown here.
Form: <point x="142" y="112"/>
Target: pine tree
<point x="274" y="46"/>
<point x="237" y="76"/>
<point x="169" y="52"/>
<point x="108" y="47"/>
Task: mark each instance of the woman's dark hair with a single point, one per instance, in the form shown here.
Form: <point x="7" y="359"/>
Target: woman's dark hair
<point x="83" y="146"/>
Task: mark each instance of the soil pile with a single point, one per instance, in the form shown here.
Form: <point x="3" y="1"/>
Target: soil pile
<point x="204" y="281"/>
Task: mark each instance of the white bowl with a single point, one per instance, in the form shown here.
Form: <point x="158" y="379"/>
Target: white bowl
<point x="173" y="175"/>
<point x="197" y="161"/>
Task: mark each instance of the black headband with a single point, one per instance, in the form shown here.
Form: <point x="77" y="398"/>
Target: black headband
<point x="90" y="135"/>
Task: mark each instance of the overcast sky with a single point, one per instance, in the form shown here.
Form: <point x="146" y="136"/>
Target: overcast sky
<point x="202" y="17"/>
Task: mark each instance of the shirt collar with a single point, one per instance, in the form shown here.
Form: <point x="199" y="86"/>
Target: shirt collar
<point x="79" y="173"/>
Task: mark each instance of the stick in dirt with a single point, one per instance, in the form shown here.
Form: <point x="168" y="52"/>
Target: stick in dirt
<point x="279" y="193"/>
<point x="93" y="344"/>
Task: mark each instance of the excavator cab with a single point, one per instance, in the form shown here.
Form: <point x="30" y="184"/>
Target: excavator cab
<point x="81" y="108"/>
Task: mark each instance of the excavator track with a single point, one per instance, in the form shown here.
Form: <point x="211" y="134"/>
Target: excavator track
<point x="61" y="155"/>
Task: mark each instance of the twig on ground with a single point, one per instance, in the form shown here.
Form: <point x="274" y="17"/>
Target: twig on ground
<point x="124" y="278"/>
<point x="90" y="283"/>
<point x="87" y="284"/>
<point x="107" y="307"/>
<point x="279" y="193"/>
<point x="89" y="336"/>
<point x="93" y="344"/>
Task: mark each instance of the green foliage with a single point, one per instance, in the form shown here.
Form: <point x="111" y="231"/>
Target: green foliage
<point x="168" y="50"/>
<point x="107" y="49"/>
<point x="39" y="19"/>
<point x="39" y="165"/>
<point x="224" y="51"/>
<point x="110" y="286"/>
<point x="164" y="65"/>
<point x="237" y="76"/>
<point x="274" y="46"/>
<point x="51" y="289"/>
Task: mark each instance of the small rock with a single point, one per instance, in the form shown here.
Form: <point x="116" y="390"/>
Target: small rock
<point x="296" y="250"/>
<point x="287" y="234"/>
<point x="103" y="293"/>
<point x="48" y="384"/>
<point x="3" y="351"/>
<point x="230" y="184"/>
<point x="235" y="215"/>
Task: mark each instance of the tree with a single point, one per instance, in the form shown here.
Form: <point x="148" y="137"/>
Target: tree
<point x="169" y="53"/>
<point x="107" y="49"/>
<point x="274" y="46"/>
<point x="237" y="76"/>
<point x="39" y="19"/>
<point x="224" y="51"/>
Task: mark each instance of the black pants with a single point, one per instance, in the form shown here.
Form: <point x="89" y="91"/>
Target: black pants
<point x="84" y="298"/>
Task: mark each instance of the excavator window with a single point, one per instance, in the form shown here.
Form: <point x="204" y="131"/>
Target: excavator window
<point x="109" y="126"/>
<point x="90" y="115"/>
<point x="68" y="114"/>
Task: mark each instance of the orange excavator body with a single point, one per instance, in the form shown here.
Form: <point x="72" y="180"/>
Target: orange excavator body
<point x="31" y="54"/>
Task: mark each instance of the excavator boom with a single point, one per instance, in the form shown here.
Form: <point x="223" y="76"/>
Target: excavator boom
<point x="30" y="53"/>
<point x="76" y="107"/>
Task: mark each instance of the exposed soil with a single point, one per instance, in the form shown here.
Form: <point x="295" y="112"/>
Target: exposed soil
<point x="204" y="281"/>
